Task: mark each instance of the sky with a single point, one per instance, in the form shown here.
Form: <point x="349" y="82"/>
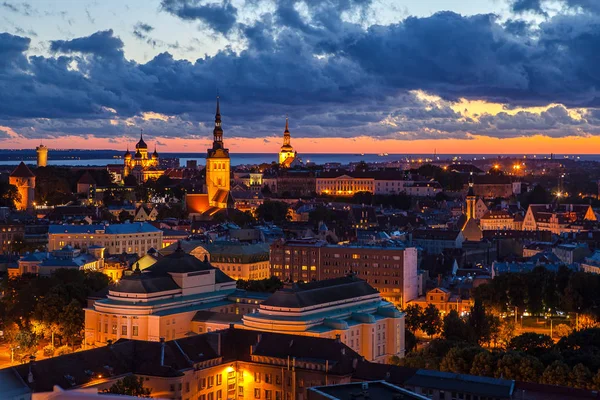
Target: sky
<point x="370" y="76"/>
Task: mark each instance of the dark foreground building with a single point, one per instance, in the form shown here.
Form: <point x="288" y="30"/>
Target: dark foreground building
<point x="240" y="364"/>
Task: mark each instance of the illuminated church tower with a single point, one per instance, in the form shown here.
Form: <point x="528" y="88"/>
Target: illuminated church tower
<point x="471" y="200"/>
<point x="287" y="153"/>
<point x="218" y="167"/>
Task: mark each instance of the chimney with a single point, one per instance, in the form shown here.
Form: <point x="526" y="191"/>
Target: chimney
<point x="337" y="338"/>
<point x="162" y="351"/>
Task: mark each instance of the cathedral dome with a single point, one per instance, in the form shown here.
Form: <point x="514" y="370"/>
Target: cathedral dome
<point x="141" y="144"/>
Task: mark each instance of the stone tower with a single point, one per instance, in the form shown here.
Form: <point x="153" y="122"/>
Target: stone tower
<point x="24" y="180"/>
<point x="42" y="155"/>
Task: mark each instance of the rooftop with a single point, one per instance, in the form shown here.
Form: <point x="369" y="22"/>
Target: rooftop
<point x="302" y="295"/>
<point x="379" y="390"/>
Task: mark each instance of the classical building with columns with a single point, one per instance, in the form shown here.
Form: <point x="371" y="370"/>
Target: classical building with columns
<point x="162" y="301"/>
<point x="346" y="308"/>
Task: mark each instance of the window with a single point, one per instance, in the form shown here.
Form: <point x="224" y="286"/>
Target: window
<point x="124" y="330"/>
<point x="257" y="393"/>
<point x="268" y="378"/>
<point x="219" y="394"/>
<point x="257" y="377"/>
<point x="241" y="390"/>
<point x="210" y="396"/>
<point x="219" y="379"/>
<point x="171" y="387"/>
<point x="211" y="381"/>
<point x="187" y="387"/>
<point x="114" y="329"/>
<point x="277" y="379"/>
<point x="135" y="331"/>
<point x="268" y="394"/>
<point x="202" y="383"/>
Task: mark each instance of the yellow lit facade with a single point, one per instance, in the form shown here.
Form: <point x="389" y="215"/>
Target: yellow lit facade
<point x="142" y="165"/>
<point x="344" y="185"/>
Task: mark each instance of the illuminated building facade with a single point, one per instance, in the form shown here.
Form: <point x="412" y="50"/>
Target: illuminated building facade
<point x="390" y="270"/>
<point x="444" y="301"/>
<point x="347" y="308"/>
<point x="142" y="165"/>
<point x="237" y="260"/>
<point x="138" y="237"/>
<point x="24" y="180"/>
<point x="557" y="218"/>
<point x="162" y="301"/>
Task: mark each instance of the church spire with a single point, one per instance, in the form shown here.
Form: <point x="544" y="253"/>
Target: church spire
<point x="286" y="133"/>
<point x="218" y="131"/>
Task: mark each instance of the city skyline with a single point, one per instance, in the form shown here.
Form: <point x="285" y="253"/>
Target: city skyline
<point x="460" y="77"/>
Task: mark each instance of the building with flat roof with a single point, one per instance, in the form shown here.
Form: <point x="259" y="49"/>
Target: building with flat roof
<point x="347" y="308"/>
<point x="391" y="269"/>
<point x="162" y="301"/>
<point x="380" y="390"/>
<point x="137" y="237"/>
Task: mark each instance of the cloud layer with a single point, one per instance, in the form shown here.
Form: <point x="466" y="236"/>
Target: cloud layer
<point x="318" y="62"/>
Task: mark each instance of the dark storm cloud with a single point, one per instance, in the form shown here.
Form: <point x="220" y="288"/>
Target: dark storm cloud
<point x="528" y="5"/>
<point x="333" y="77"/>
<point x="221" y="17"/>
<point x="101" y="43"/>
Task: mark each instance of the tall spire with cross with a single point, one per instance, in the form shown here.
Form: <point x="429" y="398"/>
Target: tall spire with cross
<point x="218" y="131"/>
<point x="286" y="133"/>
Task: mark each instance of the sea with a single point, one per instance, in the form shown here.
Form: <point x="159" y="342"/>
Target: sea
<point x="82" y="158"/>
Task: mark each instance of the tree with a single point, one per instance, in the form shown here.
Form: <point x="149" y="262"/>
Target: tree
<point x="410" y="341"/>
<point x="72" y="321"/>
<point x="531" y="343"/>
<point x="506" y="332"/>
<point x="459" y="360"/>
<point x="562" y="330"/>
<point x="9" y="194"/>
<point x="431" y="320"/>
<point x="273" y="211"/>
<point x="22" y="342"/>
<point x="581" y="377"/>
<point x="413" y="317"/>
<point x="483" y="364"/>
<point x="556" y="374"/>
<point x="130" y="385"/>
<point x="124" y="216"/>
<point x="455" y="328"/>
<point x="516" y="367"/>
<point x="479" y="321"/>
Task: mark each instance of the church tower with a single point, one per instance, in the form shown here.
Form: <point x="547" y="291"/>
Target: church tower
<point x="218" y="167"/>
<point x="471" y="199"/>
<point x="287" y="153"/>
